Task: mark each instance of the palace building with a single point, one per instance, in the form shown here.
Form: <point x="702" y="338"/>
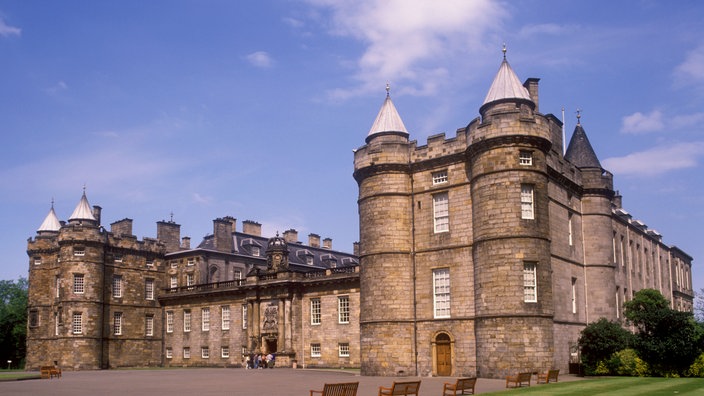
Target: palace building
<point x="484" y="254"/>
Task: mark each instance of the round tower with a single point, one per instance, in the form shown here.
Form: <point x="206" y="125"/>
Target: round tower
<point x="381" y="169"/>
<point x="82" y="294"/>
<point x="510" y="223"/>
<point x="597" y="226"/>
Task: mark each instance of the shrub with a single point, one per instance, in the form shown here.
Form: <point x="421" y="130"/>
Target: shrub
<point x="697" y="368"/>
<point x="598" y="342"/>
<point x="628" y="363"/>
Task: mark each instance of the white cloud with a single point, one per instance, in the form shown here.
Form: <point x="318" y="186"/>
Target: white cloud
<point x="642" y="123"/>
<point x="657" y="161"/>
<point x="692" y="68"/>
<point x="260" y="59"/>
<point x="7" y="30"/>
<point x="403" y="37"/>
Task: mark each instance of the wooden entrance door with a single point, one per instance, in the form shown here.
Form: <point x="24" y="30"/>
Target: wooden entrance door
<point x="443" y="350"/>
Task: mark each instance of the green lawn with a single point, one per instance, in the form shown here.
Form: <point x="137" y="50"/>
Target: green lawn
<point x="13" y="375"/>
<point x="621" y="386"/>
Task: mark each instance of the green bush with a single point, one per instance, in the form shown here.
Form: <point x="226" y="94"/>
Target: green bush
<point x="626" y="362"/>
<point x="697" y="368"/>
<point x="598" y="342"/>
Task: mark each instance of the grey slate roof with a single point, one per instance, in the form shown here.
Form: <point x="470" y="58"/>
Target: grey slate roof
<point x="580" y="151"/>
<point x="83" y="210"/>
<point x="51" y="222"/>
<point x="388" y="119"/>
<point x="506" y="85"/>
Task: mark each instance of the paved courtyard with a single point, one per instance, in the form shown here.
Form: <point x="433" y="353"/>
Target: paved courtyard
<point x="222" y="381"/>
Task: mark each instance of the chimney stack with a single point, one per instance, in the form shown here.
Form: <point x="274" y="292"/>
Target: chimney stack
<point x="327" y="243"/>
<point x="186" y="242"/>
<point x="222" y="234"/>
<point x="121" y="227"/>
<point x="251" y="228"/>
<point x="314" y="240"/>
<point x="291" y="236"/>
<point x="169" y="233"/>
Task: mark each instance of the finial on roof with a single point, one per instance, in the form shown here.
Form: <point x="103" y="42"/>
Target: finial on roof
<point x="52" y="202"/>
<point x="504" y="51"/>
<point x="172" y="216"/>
<point x="388" y="88"/>
<point x="579" y="115"/>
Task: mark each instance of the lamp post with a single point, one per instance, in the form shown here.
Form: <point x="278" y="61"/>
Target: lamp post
<point x="9" y="362"/>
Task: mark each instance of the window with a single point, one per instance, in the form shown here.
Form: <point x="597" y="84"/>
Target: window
<point x="191" y="261"/>
<point x="256" y="251"/>
<point x="574" y="295"/>
<point x="441" y="213"/>
<point x="244" y="316"/>
<point x="525" y="158"/>
<point x="169" y="321"/>
<point x="205" y="319"/>
<point x="205" y="352"/>
<point x="33" y="318"/>
<point x="174" y="264"/>
<point x="169" y="353"/>
<point x="527" y="202"/>
<point x="117" y="323"/>
<point x="439" y="177"/>
<point x="186" y="320"/>
<point x="174" y="282"/>
<point x="149" y="289"/>
<point x="314" y="350"/>
<point x="225" y="313"/>
<point x="117" y="286"/>
<point x="149" y="326"/>
<point x="190" y="280"/>
<point x="343" y="349"/>
<point x="78" y="284"/>
<point x="77" y="323"/>
<point x="618" y="303"/>
<point x="530" y="292"/>
<point x="441" y="292"/>
<point x="57" y="286"/>
<point x="118" y="258"/>
<point x="343" y="309"/>
<point x="315" y="311"/>
<point x="224" y="352"/>
<point x="37" y="260"/>
<point x="238" y="274"/>
<point x="150" y="263"/>
<point x="569" y="230"/>
<point x="186" y="352"/>
<point x="309" y="259"/>
<point x="79" y="251"/>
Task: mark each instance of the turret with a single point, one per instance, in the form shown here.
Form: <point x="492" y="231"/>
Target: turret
<point x="597" y="198"/>
<point x="510" y="223"/>
<point x="382" y="172"/>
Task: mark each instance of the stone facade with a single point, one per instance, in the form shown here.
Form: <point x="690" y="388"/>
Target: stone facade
<point x="481" y="254"/>
<point x="493" y="248"/>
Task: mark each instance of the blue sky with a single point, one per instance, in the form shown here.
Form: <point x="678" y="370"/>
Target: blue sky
<point x="252" y="108"/>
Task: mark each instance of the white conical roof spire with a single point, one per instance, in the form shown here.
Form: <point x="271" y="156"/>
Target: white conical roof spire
<point x="83" y="210"/>
<point x="51" y="222"/>
<point x="506" y="85"/>
<point x="388" y="119"/>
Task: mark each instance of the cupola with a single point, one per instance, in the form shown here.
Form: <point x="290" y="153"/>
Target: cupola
<point x="51" y="223"/>
<point x="388" y="121"/>
<point x="82" y="212"/>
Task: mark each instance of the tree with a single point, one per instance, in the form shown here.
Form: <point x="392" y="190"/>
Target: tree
<point x="601" y="339"/>
<point x="699" y="306"/>
<point x="13" y="320"/>
<point x="668" y="340"/>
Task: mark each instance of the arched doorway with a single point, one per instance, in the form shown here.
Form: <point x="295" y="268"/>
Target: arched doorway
<point x="443" y="354"/>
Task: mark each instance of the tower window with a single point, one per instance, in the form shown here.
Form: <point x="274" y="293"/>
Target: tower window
<point x="117" y="286"/>
<point x="527" y="210"/>
<point x="525" y="158"/>
<point x="117" y="323"/>
<point x="78" y="284"/>
<point x="574" y="295"/>
<point x="33" y="318"/>
<point x="79" y="251"/>
<point x="37" y="260"/>
<point x="530" y="282"/>
<point x="439" y="177"/>
<point x="149" y="325"/>
<point x="570" y="238"/>
<point x="77" y="323"/>
<point x="441" y="212"/>
<point x="149" y="289"/>
<point x="441" y="292"/>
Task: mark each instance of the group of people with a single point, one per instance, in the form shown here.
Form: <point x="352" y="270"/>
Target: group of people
<point x="259" y="361"/>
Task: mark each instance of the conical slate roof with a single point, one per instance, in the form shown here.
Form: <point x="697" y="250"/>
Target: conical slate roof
<point x="51" y="222"/>
<point x="83" y="210"/>
<point x="506" y="85"/>
<point x="388" y="119"/>
<point x="580" y="151"/>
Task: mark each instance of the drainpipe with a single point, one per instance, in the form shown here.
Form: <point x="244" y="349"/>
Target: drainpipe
<point x="413" y="262"/>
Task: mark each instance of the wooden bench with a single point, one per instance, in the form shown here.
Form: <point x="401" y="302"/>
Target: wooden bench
<point x="401" y="388"/>
<point x="463" y="386"/>
<point x="547" y="377"/>
<point x="518" y="380"/>
<point x="49" y="372"/>
<point x="340" y="389"/>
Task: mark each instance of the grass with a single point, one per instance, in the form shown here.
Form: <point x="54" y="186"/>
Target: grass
<point x="15" y="375"/>
<point x="621" y="386"/>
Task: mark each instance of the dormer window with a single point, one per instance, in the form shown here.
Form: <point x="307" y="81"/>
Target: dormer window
<point x="439" y="177"/>
<point x="525" y="158"/>
<point x="256" y="251"/>
<point x="309" y="260"/>
<point x="252" y="246"/>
